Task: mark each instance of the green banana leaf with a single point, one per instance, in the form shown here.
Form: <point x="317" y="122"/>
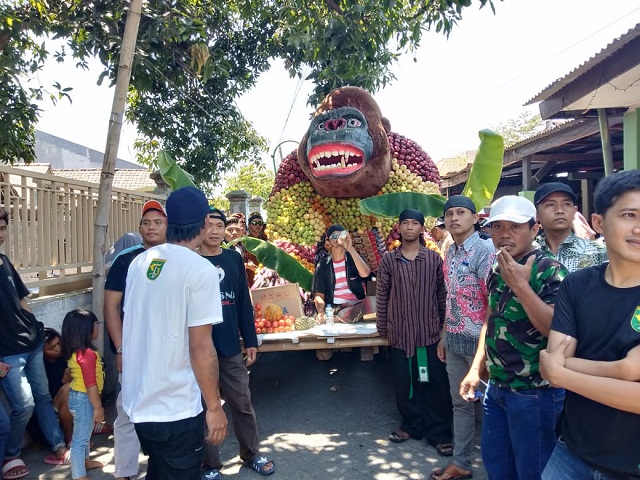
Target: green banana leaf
<point x="277" y="259"/>
<point x="171" y="172"/>
<point x="486" y="169"/>
<point x="390" y="205"/>
<point x="480" y="187"/>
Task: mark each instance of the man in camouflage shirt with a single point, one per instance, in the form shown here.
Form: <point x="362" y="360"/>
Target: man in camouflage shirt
<point x="556" y="208"/>
<point x="521" y="408"/>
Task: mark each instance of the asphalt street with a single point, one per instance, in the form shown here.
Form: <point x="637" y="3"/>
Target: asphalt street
<point x="317" y="420"/>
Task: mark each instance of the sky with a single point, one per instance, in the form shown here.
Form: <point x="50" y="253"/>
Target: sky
<point x="477" y="78"/>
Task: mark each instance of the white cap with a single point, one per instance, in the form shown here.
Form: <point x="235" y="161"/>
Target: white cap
<point x="512" y="208"/>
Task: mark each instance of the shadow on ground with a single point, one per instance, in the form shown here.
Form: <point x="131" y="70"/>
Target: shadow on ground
<point x="317" y="420"/>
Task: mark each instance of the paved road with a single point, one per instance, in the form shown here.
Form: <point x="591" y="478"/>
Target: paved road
<point x="318" y="420"/>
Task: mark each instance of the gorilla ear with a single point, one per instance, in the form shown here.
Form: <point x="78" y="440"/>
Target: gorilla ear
<point x="386" y="124"/>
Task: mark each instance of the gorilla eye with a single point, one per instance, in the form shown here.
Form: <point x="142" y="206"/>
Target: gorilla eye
<point x="353" y="122"/>
<point x="321" y="126"/>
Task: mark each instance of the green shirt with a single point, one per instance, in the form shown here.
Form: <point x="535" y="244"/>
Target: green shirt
<point x="576" y="253"/>
<point x="512" y="343"/>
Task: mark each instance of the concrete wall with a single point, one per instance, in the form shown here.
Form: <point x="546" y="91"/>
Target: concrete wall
<point x="51" y="310"/>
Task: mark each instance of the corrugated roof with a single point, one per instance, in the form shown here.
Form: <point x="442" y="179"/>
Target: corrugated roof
<point x="606" y="52"/>
<point x="128" y="179"/>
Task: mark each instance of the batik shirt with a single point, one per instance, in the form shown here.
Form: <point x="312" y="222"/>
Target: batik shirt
<point x="512" y="343"/>
<point x="466" y="270"/>
<point x="576" y="253"/>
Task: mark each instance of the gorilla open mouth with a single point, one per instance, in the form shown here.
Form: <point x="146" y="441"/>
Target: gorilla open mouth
<point x="335" y="159"/>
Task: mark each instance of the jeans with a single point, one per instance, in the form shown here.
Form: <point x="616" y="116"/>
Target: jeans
<point x="564" y="465"/>
<point x="4" y="429"/>
<point x="26" y="387"/>
<point x="82" y="411"/>
<point x="174" y="448"/>
<point x="234" y="389"/>
<point x="126" y="447"/>
<point x="464" y="413"/>
<point x="518" y="431"/>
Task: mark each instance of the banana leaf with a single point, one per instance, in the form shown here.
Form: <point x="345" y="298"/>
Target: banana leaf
<point x="481" y="185"/>
<point x="486" y="169"/>
<point x="171" y="172"/>
<point x="390" y="205"/>
<point x="277" y="259"/>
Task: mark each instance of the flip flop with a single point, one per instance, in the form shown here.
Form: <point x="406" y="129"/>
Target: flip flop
<point x="53" y="460"/>
<point x="11" y="467"/>
<point x="213" y="474"/>
<point x="258" y="464"/>
<point x="102" y="428"/>
<point x="452" y="472"/>
<point x="399" y="436"/>
<point x="445" y="449"/>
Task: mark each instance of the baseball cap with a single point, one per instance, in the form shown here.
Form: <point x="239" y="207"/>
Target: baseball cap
<point x="548" y="188"/>
<point x="439" y="222"/>
<point x="186" y="206"/>
<point x="512" y="208"/>
<point x="153" y="205"/>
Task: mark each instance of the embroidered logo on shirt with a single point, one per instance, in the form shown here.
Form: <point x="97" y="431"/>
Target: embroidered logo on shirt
<point x="155" y="268"/>
<point x="635" y="320"/>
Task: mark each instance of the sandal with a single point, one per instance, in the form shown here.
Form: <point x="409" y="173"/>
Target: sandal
<point x="53" y="460"/>
<point x="445" y="449"/>
<point x="399" y="436"/>
<point x="259" y="463"/>
<point x="14" y="468"/>
<point x="103" y="428"/>
<point x="452" y="472"/>
<point x="213" y="474"/>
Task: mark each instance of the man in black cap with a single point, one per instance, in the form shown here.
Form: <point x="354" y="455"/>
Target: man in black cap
<point x="410" y="302"/>
<point x="556" y="208"/>
<point x="467" y="267"/>
<point x="172" y="299"/>
<point x="339" y="277"/>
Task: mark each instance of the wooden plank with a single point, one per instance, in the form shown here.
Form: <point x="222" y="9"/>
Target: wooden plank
<point x="319" y="344"/>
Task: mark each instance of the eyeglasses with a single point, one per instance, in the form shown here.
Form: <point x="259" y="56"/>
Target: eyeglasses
<point x="256" y="223"/>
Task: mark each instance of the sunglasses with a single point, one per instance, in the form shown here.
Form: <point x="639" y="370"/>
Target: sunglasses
<point x="256" y="223"/>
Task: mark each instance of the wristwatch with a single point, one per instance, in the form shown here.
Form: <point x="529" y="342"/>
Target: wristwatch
<point x="119" y="351"/>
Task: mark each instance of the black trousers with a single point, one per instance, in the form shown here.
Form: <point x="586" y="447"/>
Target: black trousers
<point x="174" y="448"/>
<point x="429" y="413"/>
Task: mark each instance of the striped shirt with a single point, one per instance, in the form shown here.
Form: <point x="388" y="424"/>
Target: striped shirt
<point x="410" y="299"/>
<point x="341" y="292"/>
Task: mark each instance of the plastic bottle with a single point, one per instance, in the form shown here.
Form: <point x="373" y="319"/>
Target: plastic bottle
<point x="328" y="315"/>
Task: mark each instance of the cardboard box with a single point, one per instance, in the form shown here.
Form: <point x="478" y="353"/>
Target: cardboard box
<point x="285" y="296"/>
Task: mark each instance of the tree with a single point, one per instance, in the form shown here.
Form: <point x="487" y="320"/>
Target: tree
<point x="519" y="128"/>
<point x="195" y="56"/>
<point x="256" y="180"/>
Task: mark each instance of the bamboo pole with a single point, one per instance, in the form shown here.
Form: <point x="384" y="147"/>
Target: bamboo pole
<point x="129" y="40"/>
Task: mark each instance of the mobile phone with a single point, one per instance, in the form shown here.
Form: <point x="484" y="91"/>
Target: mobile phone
<point x="343" y="235"/>
<point x="4" y="369"/>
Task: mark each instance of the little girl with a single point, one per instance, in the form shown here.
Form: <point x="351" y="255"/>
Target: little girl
<point x="79" y="328"/>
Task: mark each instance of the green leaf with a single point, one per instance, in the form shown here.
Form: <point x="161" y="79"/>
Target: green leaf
<point x="171" y="172"/>
<point x="485" y="170"/>
<point x="277" y="259"/>
<point x="390" y="205"/>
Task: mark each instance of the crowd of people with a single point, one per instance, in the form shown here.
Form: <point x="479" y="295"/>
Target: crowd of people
<point x="538" y="324"/>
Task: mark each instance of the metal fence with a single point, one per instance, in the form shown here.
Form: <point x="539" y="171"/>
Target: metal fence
<point x="51" y="226"/>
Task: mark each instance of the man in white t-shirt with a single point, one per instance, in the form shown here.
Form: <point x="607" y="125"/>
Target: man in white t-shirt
<point x="172" y="298"/>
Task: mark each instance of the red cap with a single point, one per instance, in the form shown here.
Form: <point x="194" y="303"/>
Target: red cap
<point x="153" y="205"/>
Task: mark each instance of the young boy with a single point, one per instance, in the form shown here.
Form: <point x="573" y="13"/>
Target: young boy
<point x="596" y="325"/>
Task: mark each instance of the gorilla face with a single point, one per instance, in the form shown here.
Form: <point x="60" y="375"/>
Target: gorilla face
<point x="339" y="143"/>
<point x="345" y="152"/>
